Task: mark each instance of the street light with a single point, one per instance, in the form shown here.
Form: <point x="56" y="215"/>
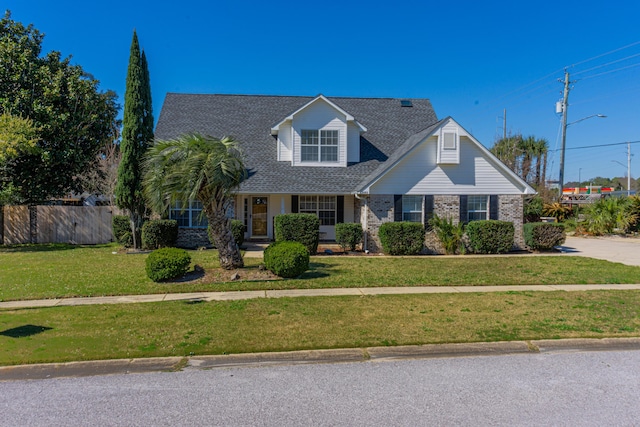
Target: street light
<point x="628" y="176"/>
<point x="565" y="125"/>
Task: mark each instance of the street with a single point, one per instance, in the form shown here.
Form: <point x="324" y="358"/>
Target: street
<point x="557" y="388"/>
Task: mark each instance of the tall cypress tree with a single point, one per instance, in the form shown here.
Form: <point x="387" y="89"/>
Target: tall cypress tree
<point x="137" y="133"/>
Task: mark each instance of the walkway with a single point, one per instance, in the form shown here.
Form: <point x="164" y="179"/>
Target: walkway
<point x="625" y="250"/>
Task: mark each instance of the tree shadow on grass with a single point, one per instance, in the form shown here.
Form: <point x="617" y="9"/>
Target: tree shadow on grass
<point x="24" y="331"/>
<point x="48" y="247"/>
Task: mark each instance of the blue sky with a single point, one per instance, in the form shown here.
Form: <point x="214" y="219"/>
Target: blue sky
<point x="472" y="59"/>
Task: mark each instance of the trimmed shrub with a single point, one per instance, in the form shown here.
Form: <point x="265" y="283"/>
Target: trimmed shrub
<point x="401" y="238"/>
<point x="490" y="236"/>
<point x="286" y="259"/>
<point x="299" y="227"/>
<point x="159" y="233"/>
<point x="348" y="235"/>
<point x="543" y="236"/>
<point x="167" y="263"/>
<point x="237" y="229"/>
<point x="122" y="230"/>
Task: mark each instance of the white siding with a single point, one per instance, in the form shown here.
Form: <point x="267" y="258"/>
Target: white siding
<point x="448" y="156"/>
<point x="284" y="142"/>
<point x="353" y="143"/>
<point x="320" y="115"/>
<point x="418" y="173"/>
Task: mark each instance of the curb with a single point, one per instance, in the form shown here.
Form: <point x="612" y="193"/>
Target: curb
<point x="305" y="357"/>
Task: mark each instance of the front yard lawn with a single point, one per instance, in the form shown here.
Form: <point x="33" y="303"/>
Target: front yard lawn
<point x="280" y="324"/>
<point x="55" y="271"/>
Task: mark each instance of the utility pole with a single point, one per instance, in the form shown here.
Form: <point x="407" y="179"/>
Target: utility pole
<point x="565" y="105"/>
<point x="504" y="125"/>
<point x="628" y="169"/>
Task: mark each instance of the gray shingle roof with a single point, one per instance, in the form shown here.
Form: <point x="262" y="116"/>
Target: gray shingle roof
<point x="248" y="118"/>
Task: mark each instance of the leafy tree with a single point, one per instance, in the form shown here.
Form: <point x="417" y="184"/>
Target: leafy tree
<point x="72" y="117"/>
<point x="137" y="133"/>
<point x="198" y="167"/>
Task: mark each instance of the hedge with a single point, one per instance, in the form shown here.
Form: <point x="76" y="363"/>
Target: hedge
<point x="159" y="233"/>
<point x="121" y="226"/>
<point x="349" y="235"/>
<point x="299" y="227"/>
<point x="490" y="236"/>
<point x="286" y="259"/>
<point x="402" y="238"/>
<point x="543" y="236"/>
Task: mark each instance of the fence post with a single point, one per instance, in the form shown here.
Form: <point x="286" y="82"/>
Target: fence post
<point x="33" y="224"/>
<point x="1" y="224"/>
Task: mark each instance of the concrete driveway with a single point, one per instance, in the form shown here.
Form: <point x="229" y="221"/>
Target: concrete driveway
<point x="625" y="250"/>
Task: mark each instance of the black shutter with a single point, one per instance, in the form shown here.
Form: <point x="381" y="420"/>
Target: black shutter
<point x="397" y="207"/>
<point x="428" y="210"/>
<point x="340" y="210"/>
<point x="463" y="210"/>
<point x="294" y="204"/>
<point x="493" y="206"/>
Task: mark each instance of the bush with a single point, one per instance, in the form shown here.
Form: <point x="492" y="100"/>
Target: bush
<point x="167" y="263"/>
<point x="121" y="227"/>
<point x="490" y="236"/>
<point x="450" y="235"/>
<point x="159" y="233"/>
<point x="348" y="235"/>
<point x="286" y="259"/>
<point x="533" y="209"/>
<point x="301" y="228"/>
<point x="543" y="236"/>
<point x="237" y="230"/>
<point x="401" y="238"/>
<point x="557" y="210"/>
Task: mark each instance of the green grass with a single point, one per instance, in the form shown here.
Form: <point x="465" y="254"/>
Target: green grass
<point x="188" y="328"/>
<point x="54" y="271"/>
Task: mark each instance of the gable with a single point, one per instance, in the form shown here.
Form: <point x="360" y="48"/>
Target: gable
<point x="421" y="169"/>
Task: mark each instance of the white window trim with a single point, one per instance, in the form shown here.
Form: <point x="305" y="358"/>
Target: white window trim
<point x="470" y="211"/>
<point x="406" y="211"/>
<point x="452" y="144"/>
<point x="191" y="211"/>
<point x="317" y="209"/>
<point x="319" y="146"/>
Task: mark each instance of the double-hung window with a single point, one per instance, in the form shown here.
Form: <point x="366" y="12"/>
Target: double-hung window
<point x="322" y="206"/>
<point x="190" y="216"/>
<point x="477" y="207"/>
<point x="319" y="145"/>
<point x="412" y="208"/>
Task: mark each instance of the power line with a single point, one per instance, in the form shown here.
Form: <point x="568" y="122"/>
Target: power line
<point x="608" y="63"/>
<point x="611" y="71"/>
<point x="599" y="145"/>
<point x="606" y="53"/>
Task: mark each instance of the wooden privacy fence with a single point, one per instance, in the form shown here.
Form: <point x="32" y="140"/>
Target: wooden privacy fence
<point x="81" y="225"/>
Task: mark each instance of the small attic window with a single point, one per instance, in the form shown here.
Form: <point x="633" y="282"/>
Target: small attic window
<point x="449" y="141"/>
<point x="406" y="103"/>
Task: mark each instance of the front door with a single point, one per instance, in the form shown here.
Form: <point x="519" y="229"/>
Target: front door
<point x="259" y="216"/>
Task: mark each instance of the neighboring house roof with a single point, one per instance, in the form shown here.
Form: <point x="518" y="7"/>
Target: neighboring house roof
<point x="250" y="119"/>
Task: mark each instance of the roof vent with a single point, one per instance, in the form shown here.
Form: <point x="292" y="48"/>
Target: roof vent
<point x="405" y="103"/>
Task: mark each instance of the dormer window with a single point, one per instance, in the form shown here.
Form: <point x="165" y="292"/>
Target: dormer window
<point x="319" y="145"/>
<point x="449" y="141"/>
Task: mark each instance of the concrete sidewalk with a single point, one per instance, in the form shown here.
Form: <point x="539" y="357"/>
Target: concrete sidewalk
<point x="293" y="293"/>
<point x="625" y="250"/>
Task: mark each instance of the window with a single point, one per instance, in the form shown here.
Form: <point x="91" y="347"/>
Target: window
<point x="323" y="206"/>
<point x="449" y="141"/>
<point x="319" y="145"/>
<point x="477" y="207"/>
<point x="190" y="217"/>
<point x="412" y="208"/>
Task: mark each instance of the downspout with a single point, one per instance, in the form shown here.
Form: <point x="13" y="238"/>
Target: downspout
<point x="364" y="221"/>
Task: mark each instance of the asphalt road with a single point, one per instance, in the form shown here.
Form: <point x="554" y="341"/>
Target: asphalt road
<point x="552" y="388"/>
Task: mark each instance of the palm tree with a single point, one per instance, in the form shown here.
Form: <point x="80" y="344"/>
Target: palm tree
<point x="541" y="149"/>
<point x="198" y="167"/>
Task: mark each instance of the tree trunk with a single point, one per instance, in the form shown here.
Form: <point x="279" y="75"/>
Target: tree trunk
<point x="136" y="221"/>
<point x="228" y="251"/>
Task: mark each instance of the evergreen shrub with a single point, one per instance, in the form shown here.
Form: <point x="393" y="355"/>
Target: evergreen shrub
<point x="349" y="235"/>
<point x="167" y="263"/>
<point x="402" y="238"/>
<point x="490" y="236"/>
<point x="159" y="233"/>
<point x="286" y="259"/>
<point x="543" y="236"/>
<point x="299" y="227"/>
<point x="121" y="227"/>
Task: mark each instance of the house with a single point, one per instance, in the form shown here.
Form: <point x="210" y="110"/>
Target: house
<point x="364" y="160"/>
